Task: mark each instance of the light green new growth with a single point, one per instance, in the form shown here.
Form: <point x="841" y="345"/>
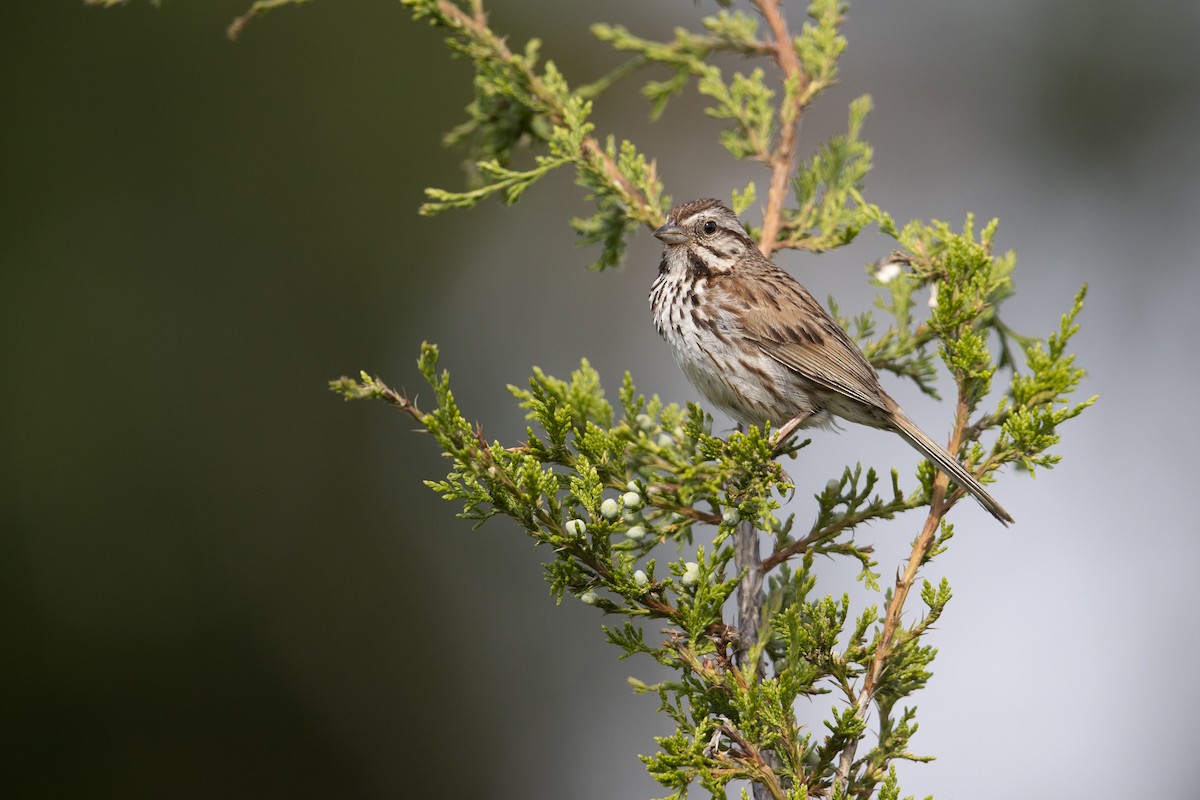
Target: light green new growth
<point x="648" y="516"/>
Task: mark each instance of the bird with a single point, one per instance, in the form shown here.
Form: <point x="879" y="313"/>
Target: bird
<point x="758" y="346"/>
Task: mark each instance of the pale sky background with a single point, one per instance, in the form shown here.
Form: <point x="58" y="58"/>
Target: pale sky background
<point x="220" y="580"/>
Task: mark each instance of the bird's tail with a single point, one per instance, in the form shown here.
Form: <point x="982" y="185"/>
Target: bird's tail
<point x="949" y="465"/>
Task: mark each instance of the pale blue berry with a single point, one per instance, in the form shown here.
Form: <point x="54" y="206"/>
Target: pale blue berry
<point x="631" y="500"/>
<point x="640" y="578"/>
<point x="691" y="574"/>
<point x="610" y="509"/>
<point x="887" y="271"/>
<point x="576" y="527"/>
<point x="731" y="517"/>
<point x="589" y="597"/>
<point x="637" y="533"/>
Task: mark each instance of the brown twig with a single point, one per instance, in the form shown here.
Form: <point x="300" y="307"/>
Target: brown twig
<point x="657" y="606"/>
<point x="784" y="52"/>
<point x="795" y="548"/>
<point x="640" y="207"/>
<point x="816" y="535"/>
<point x="260" y="7"/>
<point x="939" y="505"/>
<point x="766" y="776"/>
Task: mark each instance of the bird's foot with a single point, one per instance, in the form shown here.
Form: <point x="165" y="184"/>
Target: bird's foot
<point x="787" y="431"/>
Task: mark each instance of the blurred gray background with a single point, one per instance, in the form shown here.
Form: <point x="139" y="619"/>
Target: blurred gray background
<point x="217" y="579"/>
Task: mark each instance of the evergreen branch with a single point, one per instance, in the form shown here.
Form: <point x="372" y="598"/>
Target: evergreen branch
<point x="590" y="91"/>
<point x="841" y="524"/>
<point x="369" y="387"/>
<point x="828" y="189"/>
<point x="512" y="183"/>
<point x="606" y="491"/>
<point x="686" y="55"/>
<point x="724" y="691"/>
<point x="475" y="26"/>
<point x="759" y="766"/>
<point x="747" y="102"/>
<point x="795" y="82"/>
<point x="259" y="8"/>
<point x="514" y="103"/>
<point x="469" y="448"/>
<point x="922" y="550"/>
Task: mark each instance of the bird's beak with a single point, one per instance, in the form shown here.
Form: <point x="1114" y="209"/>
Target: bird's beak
<point x="671" y="233"/>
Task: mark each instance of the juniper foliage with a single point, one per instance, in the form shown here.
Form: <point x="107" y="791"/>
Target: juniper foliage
<point x="640" y="505"/>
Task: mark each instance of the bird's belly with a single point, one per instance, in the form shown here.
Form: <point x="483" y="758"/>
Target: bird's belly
<point x="742" y="381"/>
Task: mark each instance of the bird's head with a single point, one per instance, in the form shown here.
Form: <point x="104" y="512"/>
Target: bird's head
<point x="705" y="235"/>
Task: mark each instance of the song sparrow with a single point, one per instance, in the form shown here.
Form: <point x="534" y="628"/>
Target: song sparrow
<point x="759" y="347"/>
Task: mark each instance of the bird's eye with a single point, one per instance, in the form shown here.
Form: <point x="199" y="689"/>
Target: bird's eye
<point x="710" y="227"/>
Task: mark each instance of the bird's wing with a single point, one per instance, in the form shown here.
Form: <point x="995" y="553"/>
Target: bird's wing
<point x="791" y="327"/>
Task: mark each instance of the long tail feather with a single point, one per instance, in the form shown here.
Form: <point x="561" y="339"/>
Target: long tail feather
<point x="948" y="464"/>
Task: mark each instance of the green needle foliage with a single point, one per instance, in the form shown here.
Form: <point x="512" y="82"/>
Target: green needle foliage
<point x="642" y="509"/>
